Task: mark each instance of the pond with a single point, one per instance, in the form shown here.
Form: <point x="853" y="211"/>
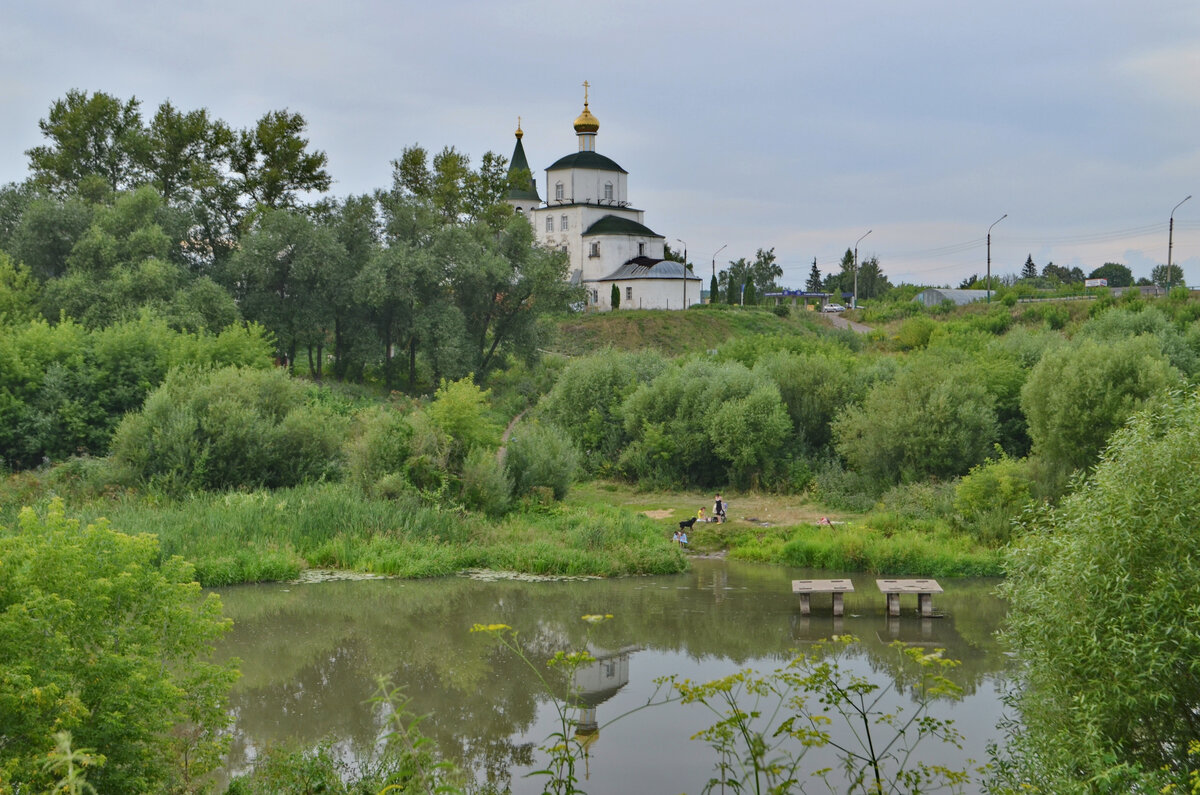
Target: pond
<point x="311" y="655"/>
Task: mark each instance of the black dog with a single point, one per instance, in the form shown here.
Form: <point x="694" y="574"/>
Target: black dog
<point x="686" y="524"/>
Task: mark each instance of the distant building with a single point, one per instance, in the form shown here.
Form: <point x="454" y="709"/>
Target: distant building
<point x="588" y="215"/>
<point x="935" y="296"/>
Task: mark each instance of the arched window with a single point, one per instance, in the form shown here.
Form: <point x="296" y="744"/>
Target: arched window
<point x="595" y="250"/>
<point x="558" y="191"/>
<point x="549" y="223"/>
<point x="563" y="225"/>
<point x="608" y="193"/>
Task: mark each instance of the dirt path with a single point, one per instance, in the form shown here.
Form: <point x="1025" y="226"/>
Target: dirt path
<point x="841" y="322"/>
<point x="503" y="450"/>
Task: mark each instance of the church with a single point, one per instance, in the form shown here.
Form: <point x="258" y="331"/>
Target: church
<point x="587" y="214"/>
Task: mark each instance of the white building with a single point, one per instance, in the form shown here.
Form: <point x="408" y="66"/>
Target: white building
<point x="588" y="215"/>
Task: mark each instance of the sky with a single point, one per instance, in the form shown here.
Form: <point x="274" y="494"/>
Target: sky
<point x="798" y="126"/>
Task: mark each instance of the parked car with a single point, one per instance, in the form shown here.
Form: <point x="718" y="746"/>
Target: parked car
<point x="833" y="308"/>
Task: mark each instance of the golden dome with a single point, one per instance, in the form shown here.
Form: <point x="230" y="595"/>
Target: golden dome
<point x="586" y="123"/>
<point x="519" y="133"/>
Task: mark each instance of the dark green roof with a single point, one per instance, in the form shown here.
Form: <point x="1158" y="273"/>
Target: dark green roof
<point x="586" y="160"/>
<point x="616" y="225"/>
<point x="519" y="163"/>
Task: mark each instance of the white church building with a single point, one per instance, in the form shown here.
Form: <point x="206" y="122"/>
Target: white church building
<point x="588" y="215"/>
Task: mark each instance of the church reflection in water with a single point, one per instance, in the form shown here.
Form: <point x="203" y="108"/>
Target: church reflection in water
<point x="593" y="685"/>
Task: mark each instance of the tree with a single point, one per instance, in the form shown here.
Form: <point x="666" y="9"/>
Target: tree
<point x="228" y="429"/>
<point x="932" y="420"/>
<point x="1063" y="274"/>
<point x="1117" y="274"/>
<point x="764" y="272"/>
<point x="872" y="283"/>
<point x="272" y="163"/>
<point x="714" y="290"/>
<point x="1162" y="276"/>
<point x="814" y="279"/>
<point x="1102" y="594"/>
<point x="1078" y="394"/>
<point x="1029" y="270"/>
<point x="185" y="153"/>
<point x="615" y="298"/>
<point x="750" y="298"/>
<point x="97" y="137"/>
<point x="106" y="639"/>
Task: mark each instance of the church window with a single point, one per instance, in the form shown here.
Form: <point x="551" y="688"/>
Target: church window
<point x="549" y="223"/>
<point x="564" y="223"/>
<point x="563" y="248"/>
<point x="595" y="296"/>
<point x="558" y="191"/>
<point x="595" y="251"/>
<point x="608" y="191"/>
<point x="641" y="249"/>
<point x="628" y="293"/>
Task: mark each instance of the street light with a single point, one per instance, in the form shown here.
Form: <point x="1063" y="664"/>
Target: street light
<point x="854" y="303"/>
<point x="714" y="258"/>
<point x="1171" y="239"/>
<point x="684" y="271"/>
<point x="989" y="264"/>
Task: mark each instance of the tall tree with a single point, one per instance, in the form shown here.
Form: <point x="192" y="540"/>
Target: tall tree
<point x="714" y="290"/>
<point x="814" y="278"/>
<point x="1029" y="269"/>
<point x="273" y="164"/>
<point x="765" y="272"/>
<point x="186" y="152"/>
<point x="1117" y="274"/>
<point x="1164" y="276"/>
<point x="93" y="137"/>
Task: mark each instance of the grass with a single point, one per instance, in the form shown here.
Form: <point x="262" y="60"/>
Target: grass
<point x="672" y="332"/>
<point x="783" y="530"/>
<point x="272" y="535"/>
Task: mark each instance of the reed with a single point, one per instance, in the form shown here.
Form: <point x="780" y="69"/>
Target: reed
<point x="266" y="535"/>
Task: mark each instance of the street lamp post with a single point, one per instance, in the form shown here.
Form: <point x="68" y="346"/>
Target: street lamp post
<point x="714" y="258"/>
<point x="989" y="257"/>
<point x="1171" y="239"/>
<point x="854" y="303"/>
<point x="684" y="271"/>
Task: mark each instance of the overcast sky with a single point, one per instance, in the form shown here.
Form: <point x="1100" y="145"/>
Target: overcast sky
<point x="794" y="125"/>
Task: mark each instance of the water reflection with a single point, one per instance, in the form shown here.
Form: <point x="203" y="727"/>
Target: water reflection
<point x="311" y="654"/>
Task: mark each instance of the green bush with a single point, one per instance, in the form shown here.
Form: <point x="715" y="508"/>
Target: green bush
<point x="539" y="454"/>
<point x="485" y="483"/>
<point x="380" y="445"/>
<point x="587" y="399"/>
<point x="914" y="332"/>
<point x="934" y="420"/>
<point x="229" y="428"/>
<point x="1102" y="599"/>
<point x="992" y="496"/>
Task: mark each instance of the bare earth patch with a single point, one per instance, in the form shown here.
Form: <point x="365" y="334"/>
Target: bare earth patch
<point x="658" y="514"/>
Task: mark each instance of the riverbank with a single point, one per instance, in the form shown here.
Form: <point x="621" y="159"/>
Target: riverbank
<point x="603" y="529"/>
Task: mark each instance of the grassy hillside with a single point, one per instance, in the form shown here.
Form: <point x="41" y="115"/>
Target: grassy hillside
<point x="698" y="329"/>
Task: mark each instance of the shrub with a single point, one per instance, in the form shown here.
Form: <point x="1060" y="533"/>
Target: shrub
<point x="991" y="497"/>
<point x="379" y="446"/>
<point x="485" y="483"/>
<point x="539" y="454"/>
<point x="229" y="428"/>
<point x="914" y="332"/>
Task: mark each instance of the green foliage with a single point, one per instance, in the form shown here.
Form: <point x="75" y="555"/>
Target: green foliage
<point x="615" y="297"/>
<point x="704" y="423"/>
<point x="1103" y="594"/>
<point x="63" y="389"/>
<point x="933" y="420"/>
<point x="915" y="332"/>
<point x="486" y="486"/>
<point x="586" y="402"/>
<point x="766" y="723"/>
<point x="1077" y="395"/>
<point x="541" y="455"/>
<point x="460" y="411"/>
<point x="379" y="445"/>
<point x="991" y="497"/>
<point x="226" y="429"/>
<point x="1180" y="348"/>
<point x="107" y="639"/>
<point x="18" y="292"/>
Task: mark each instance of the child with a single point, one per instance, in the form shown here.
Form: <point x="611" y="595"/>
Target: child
<point x="683" y="539"/>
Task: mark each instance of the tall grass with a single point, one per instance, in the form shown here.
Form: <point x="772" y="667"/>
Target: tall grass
<point x="272" y="535"/>
<point x="923" y="549"/>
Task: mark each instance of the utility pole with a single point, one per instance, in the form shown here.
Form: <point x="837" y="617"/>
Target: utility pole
<point x="684" y="272"/>
<point x="1171" y="241"/>
<point x="714" y="258"/>
<point x="854" y="303"/>
<point x="989" y="257"/>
